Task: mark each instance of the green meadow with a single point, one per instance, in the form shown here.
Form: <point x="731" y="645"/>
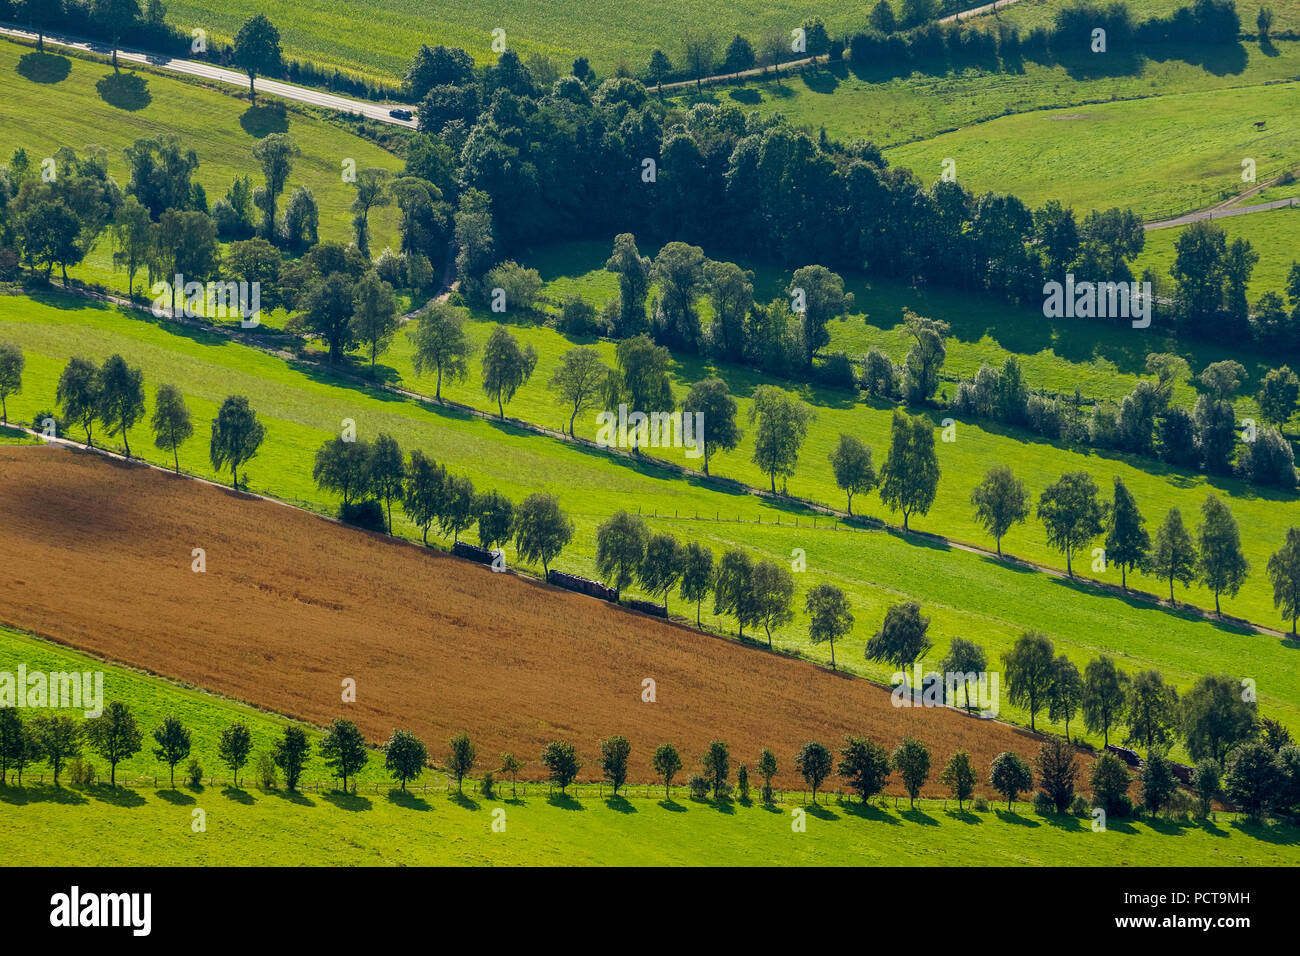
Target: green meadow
<point x="152" y="823"/>
<point x="1028" y="14"/>
<point x="967" y="594"/>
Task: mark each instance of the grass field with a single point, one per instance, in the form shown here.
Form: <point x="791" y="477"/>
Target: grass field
<point x="379" y="825"/>
<point x="966" y="594"/>
<point x="1028" y="14"/>
<point x="53" y="101"/>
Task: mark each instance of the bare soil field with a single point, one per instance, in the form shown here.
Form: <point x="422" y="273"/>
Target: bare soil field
<point x="97" y="554"/>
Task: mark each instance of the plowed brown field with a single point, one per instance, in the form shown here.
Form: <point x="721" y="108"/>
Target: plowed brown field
<point x="96" y="554"/>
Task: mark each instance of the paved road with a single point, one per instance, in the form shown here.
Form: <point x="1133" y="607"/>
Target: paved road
<point x="1221" y="212"/>
<point x="208" y="71"/>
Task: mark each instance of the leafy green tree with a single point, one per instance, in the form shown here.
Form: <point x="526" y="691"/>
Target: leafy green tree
<point x="512" y="765"/>
<point x="733" y="591"/>
<point x="11" y="375"/>
<point x="965" y="658"/>
<point x="614" y="753"/>
<point x="343" y="466"/>
<point x="1152" y="708"/>
<point x="1071" y="514"/>
<point x="506" y="366"/>
<point x="1278" y="396"/>
<point x="1205" y="784"/>
<point x="173" y="741"/>
<point x="578" y="380"/>
<point x="1000" y="501"/>
<point x="387" y="473"/>
<point x="344" y="749"/>
<point x="236" y="436"/>
<point x="717" y="767"/>
<point x="234" y="747"/>
<point x="114" y="736"/>
<point x="1174" y="554"/>
<point x="495" y="515"/>
<point x="926" y="356"/>
<point x="1215" y="716"/>
<point x="642" y="379"/>
<point x="423" y="491"/>
<point x="667" y="763"/>
<point x="121" y="397"/>
<point x="620" y="548"/>
<point x="697" y="575"/>
<point x="372" y="192"/>
<point x="766" y="768"/>
<point x="662" y="565"/>
<point x="1252" y="779"/>
<point x="1010" y="776"/>
<point x="15" y="742"/>
<point x="405" y="756"/>
<point x="1110" y="781"/>
<point x="739" y="56"/>
<point x="562" y="761"/>
<point x="1065" y="697"/>
<point x="822" y="296"/>
<point x="1221" y="566"/>
<point x="909" y="477"/>
<point x="709" y="397"/>
<point x="782" y="425"/>
<point x="257" y="50"/>
<point x="1056" y="772"/>
<point x="829" y="616"/>
<point x="56" y="740"/>
<point x="439" y="343"/>
<point x="865" y="765"/>
<point x="854" y="471"/>
<point x="902" y="638"/>
<point x="1284" y="573"/>
<point x="1127" y="542"/>
<point x="660" y="66"/>
<point x="731" y="293"/>
<point x="814" y="763"/>
<point x="541" y="529"/>
<point x="1158" y="781"/>
<point x="78" y="394"/>
<point x="1030" y="671"/>
<point x="461" y="759"/>
<point x="327" y="309"/>
<point x="633" y="270"/>
<point x="290" y="754"/>
<point x="772" y="585"/>
<point x="117" y="17"/>
<point x="374" y="314"/>
<point x="275" y="154"/>
<point x="882" y="18"/>
<point x="912" y="761"/>
<point x="456" y="508"/>
<point x="959" y="777"/>
<point x="171" y="422"/>
<point x="1105" y="696"/>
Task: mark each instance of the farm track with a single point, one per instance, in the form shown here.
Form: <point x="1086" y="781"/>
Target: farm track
<point x="97" y="554"/>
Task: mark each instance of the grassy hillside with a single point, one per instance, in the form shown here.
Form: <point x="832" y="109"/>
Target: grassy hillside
<point x="966" y="594"/>
<point x="52" y="101"/>
<point x="1028" y="14"/>
<point x="154" y="825"/>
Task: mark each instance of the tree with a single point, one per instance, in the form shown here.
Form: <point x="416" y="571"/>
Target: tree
<point x="11" y="375"/>
<point x="171" y="422"/>
<point x="439" y="343"/>
<point x="1127" y="542"/>
<point x="1030" y="671"/>
<point x="257" y="50"/>
<point x="234" y="747"/>
<point x="116" y="16"/>
<point x="578" y="380"/>
<point x="854" y="471"/>
<point x="1056" y="772"/>
<point x="372" y="191"/>
<point x="57" y="740"/>
<point x="1221" y="380"/>
<point x="1174" y="555"/>
<point x="495" y="516"/>
<point x="1071" y="514"/>
<point x="1000" y="501"/>
<point x="1205" y="784"/>
<point x="829" y="616"/>
<point x="661" y="566"/>
<point x="506" y="366"/>
<point x="236" y="436"/>
<point x="541" y="529"/>
<point x="782" y="425"/>
<point x="405" y="756"/>
<point x="926" y="356"/>
<point x="660" y="66"/>
<point x="456" y="506"/>
<point x="343" y="467"/>
<point x="633" y="270"/>
<point x="1215" y="717"/>
<point x="1105" y="696"/>
<point x="620" y="548"/>
<point x="1110" y="780"/>
<point x="823" y="298"/>
<point x="374" y="314"/>
<point x="909" y="477"/>
<point x="1284" y="573"/>
<point x="739" y="56"/>
<point x="733" y="591"/>
<point x="461" y="759"/>
<point x="114" y="735"/>
<point x="173" y="741"/>
<point x="642" y="380"/>
<point x="423" y="491"/>
<point x="959" y="777"/>
<point x="275" y="153"/>
<point x="772" y="585"/>
<point x="1252" y="779"/>
<point x="1278" y="396"/>
<point x="698" y="54"/>
<point x="902" y="638"/>
<point x="1010" y="776"/>
<point x="1221" y="567"/>
<point x="697" y="575"/>
<point x="815" y="763"/>
<point x="1065" y="697"/>
<point x="121" y="397"/>
<point x="717" y="766"/>
<point x="865" y="765"/>
<point x="912" y="761"/>
<point x="1158" y="781"/>
<point x="882" y="18"/>
<point x="965" y="659"/>
<point x="386" y="470"/>
<point x="78" y="394"/>
<point x="290" y="754"/>
<point x="512" y="765"/>
<point x="562" y="761"/>
<point x="1264" y="22"/>
<point x="344" y="749"/>
<point x="614" y="752"/>
<point x="766" y="767"/>
<point x="667" y="763"/>
<point x="710" y="398"/>
<point x="1152" y="711"/>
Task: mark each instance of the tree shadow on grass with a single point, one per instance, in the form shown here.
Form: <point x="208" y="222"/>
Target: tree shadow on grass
<point x="347" y="801"/>
<point x="21" y="796"/>
<point x="821" y="811"/>
<point x="463" y="800"/>
<point x="919" y="816"/>
<point x="175" y="796"/>
<point x="126" y="91"/>
<point x="259" y="121"/>
<point x="964" y="816"/>
<point x="747" y="95"/>
<point x="294" y="796"/>
<point x="620" y="804"/>
<point x="1065" y="821"/>
<point x="1278" y="834"/>
<point x="564" y="802"/>
<point x="237" y="795"/>
<point x="1015" y="819"/>
<point x="869" y="811"/>
<point x="404" y="798"/>
<point x="672" y="806"/>
<point x="117" y="796"/>
<point x="44" y="67"/>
